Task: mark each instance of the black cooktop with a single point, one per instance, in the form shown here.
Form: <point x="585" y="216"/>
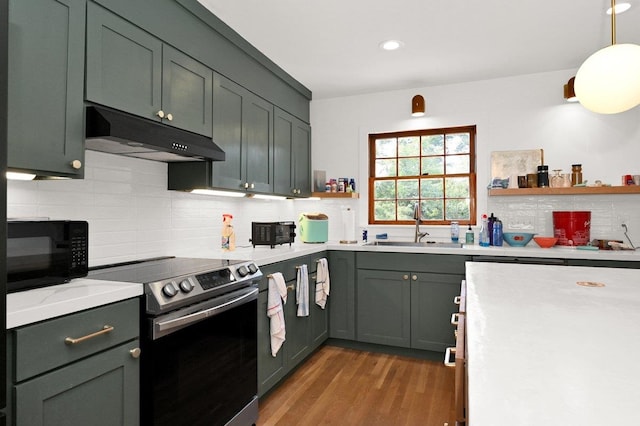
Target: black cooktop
<point x="156" y="269"/>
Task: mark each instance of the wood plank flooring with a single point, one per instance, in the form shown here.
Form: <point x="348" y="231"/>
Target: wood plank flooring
<point x="339" y="386"/>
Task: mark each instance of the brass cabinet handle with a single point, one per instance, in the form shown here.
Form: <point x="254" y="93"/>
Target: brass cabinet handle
<point x="414" y="277"/>
<point x="454" y="318"/>
<point x="160" y="114"/>
<point x="72" y="341"/>
<point x="456" y="300"/>
<point x="135" y="353"/>
<point x="405" y="277"/>
<point x="170" y="117"/>
<point x="447" y="357"/>
<point x="76" y="164"/>
<point x="291" y="287"/>
<point x="313" y="277"/>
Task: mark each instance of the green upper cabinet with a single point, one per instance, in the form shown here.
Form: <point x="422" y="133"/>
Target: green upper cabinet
<point x="45" y="91"/>
<point x="130" y="70"/>
<point x="243" y="128"/>
<point x="292" y="158"/>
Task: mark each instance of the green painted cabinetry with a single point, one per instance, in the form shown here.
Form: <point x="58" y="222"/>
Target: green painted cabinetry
<point x="303" y="334"/>
<point x="45" y="91"/>
<point x="131" y="70"/>
<point x="406" y="300"/>
<point x="243" y="128"/>
<point x="383" y="303"/>
<point x="292" y="158"/>
<point x="342" y="313"/>
<point x="95" y="380"/>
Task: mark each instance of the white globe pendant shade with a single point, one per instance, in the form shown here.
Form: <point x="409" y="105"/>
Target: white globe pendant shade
<point x="608" y="82"/>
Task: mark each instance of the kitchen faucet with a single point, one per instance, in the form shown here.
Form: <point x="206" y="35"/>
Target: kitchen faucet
<point x="417" y="215"/>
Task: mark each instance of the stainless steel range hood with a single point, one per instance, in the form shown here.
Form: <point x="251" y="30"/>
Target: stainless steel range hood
<point x="120" y="133"/>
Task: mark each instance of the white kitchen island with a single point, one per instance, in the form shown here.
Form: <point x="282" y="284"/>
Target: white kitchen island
<point x="544" y="350"/>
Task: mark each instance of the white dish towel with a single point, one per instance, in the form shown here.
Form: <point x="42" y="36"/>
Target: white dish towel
<point x="302" y="291"/>
<point x="322" y="282"/>
<point x="276" y="297"/>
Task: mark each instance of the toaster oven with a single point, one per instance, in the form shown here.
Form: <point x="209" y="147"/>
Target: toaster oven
<point x="272" y="233"/>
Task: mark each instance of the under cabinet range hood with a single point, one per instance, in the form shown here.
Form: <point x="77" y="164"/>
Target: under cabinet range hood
<point x="120" y="133"/>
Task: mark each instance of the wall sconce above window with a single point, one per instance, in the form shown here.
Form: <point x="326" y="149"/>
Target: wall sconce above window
<point x="417" y="106"/>
<point x="569" y="92"/>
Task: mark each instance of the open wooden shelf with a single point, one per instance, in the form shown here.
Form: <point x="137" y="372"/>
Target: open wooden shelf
<point x="335" y="194"/>
<point x="576" y="190"/>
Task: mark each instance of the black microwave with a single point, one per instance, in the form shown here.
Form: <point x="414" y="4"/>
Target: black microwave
<point x="45" y="252"/>
<point x="272" y="233"/>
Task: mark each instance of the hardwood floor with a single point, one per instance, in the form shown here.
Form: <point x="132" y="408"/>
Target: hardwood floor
<point x="339" y="386"/>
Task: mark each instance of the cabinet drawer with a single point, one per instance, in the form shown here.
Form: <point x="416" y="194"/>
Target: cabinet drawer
<point x="41" y="347"/>
<point x="287" y="268"/>
<point x="414" y="262"/>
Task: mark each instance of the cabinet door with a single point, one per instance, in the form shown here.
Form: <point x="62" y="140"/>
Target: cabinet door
<point x="258" y="141"/>
<point x="187" y="91"/>
<point x="45" y="90"/>
<point x="102" y="390"/>
<point x="319" y="317"/>
<point x="431" y="309"/>
<point x="124" y="64"/>
<point x="384" y="307"/>
<point x="292" y="147"/>
<point x="342" y="317"/>
<point x="270" y="368"/>
<point x="298" y="343"/>
<point x="228" y="100"/>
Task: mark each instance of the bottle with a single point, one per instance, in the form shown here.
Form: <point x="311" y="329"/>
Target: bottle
<point x="576" y="174"/>
<point x="483" y="237"/>
<point x="490" y="228"/>
<point x="455" y="231"/>
<point x="468" y="238"/>
<point x="352" y="184"/>
<point x="228" y="234"/>
<point x="543" y="176"/>
<point x="497" y="233"/>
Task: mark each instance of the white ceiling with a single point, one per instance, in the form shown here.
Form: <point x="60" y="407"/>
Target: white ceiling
<point x="331" y="46"/>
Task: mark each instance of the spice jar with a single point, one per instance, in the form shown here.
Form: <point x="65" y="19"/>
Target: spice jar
<point x="576" y="174"/>
<point x="543" y="176"/>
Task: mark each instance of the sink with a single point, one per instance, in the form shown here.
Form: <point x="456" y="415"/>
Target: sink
<point x="412" y="244"/>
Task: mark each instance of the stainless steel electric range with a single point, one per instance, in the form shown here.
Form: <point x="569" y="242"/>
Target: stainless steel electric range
<point x="198" y="339"/>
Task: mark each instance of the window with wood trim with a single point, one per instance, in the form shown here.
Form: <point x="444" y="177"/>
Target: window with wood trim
<point x="435" y="168"/>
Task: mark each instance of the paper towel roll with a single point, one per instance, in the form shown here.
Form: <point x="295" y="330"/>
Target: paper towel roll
<point x="348" y="227"/>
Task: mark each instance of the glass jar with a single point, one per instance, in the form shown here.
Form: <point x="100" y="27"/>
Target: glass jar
<point x="576" y="174"/>
<point x="556" y="180"/>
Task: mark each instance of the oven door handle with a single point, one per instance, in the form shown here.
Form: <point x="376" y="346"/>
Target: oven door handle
<point x="162" y="328"/>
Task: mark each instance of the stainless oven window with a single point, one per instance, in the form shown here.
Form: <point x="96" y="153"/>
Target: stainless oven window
<point x="204" y="373"/>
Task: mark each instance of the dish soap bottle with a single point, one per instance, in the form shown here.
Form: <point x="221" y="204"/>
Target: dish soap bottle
<point x="468" y="237"/>
<point x="483" y="238"/>
<point x="228" y="242"/>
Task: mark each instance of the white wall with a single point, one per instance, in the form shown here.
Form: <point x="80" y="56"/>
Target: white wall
<point x="523" y="112"/>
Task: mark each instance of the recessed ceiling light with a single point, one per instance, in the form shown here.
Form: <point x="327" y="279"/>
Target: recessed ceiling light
<point x="391" y="45"/>
<point x="620" y="7"/>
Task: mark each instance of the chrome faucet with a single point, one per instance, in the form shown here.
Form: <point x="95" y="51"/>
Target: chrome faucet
<point x="417" y="215"/>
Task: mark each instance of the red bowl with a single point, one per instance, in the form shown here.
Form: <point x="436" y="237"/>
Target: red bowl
<point x="545" y="242"/>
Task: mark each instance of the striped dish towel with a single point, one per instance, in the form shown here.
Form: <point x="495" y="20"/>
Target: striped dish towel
<point x="276" y="297"/>
<point x="302" y="291"/>
<point x="322" y="283"/>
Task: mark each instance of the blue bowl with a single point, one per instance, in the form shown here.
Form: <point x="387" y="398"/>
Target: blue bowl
<point x="517" y="239"/>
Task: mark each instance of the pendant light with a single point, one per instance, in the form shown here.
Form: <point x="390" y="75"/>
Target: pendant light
<point x="608" y="82"/>
<point x="417" y="106"/>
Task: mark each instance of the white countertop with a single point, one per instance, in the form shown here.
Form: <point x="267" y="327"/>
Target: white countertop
<point x="30" y="306"/>
<point x="543" y="350"/>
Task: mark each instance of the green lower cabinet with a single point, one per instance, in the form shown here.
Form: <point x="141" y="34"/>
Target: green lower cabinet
<point x="431" y="308"/>
<point x="270" y="369"/>
<point x="342" y="313"/>
<point x="102" y="390"/>
<point x="298" y="343"/>
<point x="383" y="303"/>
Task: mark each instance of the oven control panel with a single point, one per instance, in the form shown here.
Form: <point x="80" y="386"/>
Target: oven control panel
<point x="185" y="290"/>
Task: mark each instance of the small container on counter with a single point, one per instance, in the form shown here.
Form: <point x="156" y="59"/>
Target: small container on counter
<point x="455" y="231"/>
<point x="468" y="238"/>
<point x="497" y="233"/>
<point x="483" y="237"/>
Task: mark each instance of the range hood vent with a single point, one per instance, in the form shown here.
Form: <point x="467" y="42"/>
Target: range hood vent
<point x="120" y="133"/>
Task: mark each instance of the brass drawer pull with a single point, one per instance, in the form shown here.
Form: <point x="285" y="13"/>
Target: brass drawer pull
<point x="291" y="287"/>
<point x="71" y="341"/>
<point x="447" y="357"/>
<point x="455" y="318"/>
<point x="456" y="300"/>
